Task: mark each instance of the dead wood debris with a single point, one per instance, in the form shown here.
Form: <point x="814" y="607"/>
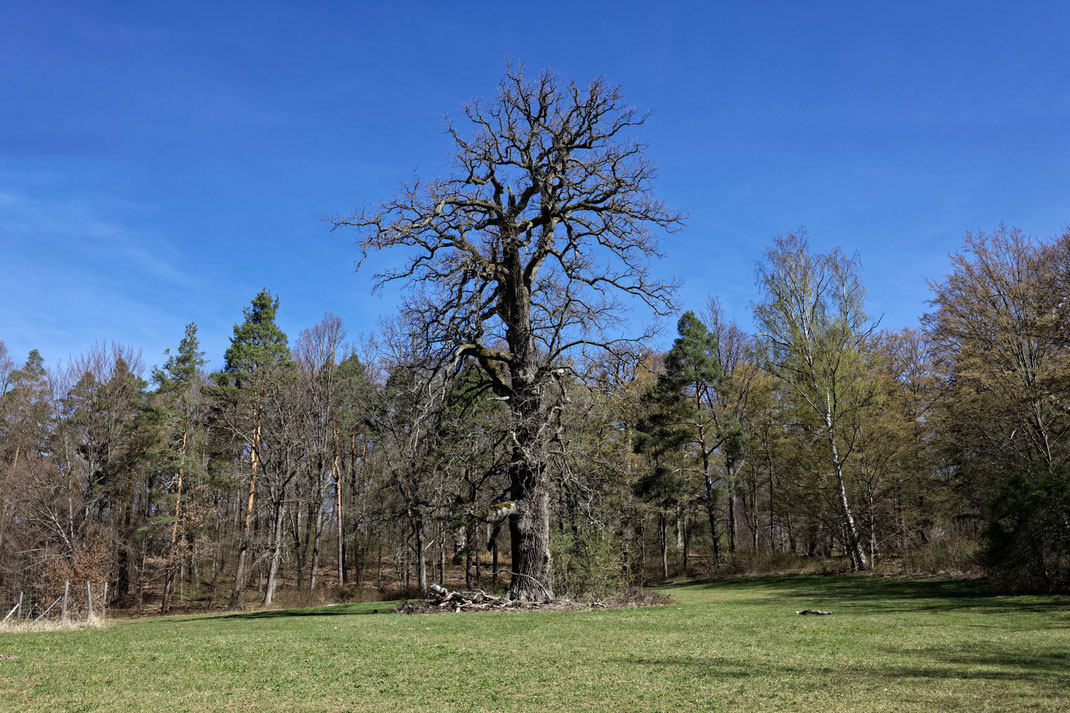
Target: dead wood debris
<point x="816" y="612"/>
<point x="445" y="600"/>
<point x="477" y="600"/>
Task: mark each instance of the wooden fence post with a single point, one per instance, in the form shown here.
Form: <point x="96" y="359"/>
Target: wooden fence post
<point x="66" y="592"/>
<point x="43" y="614"/>
<point x="13" y="609"/>
<point x="89" y="595"/>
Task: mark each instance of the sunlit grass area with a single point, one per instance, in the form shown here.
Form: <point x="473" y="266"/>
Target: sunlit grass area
<point x="891" y="645"/>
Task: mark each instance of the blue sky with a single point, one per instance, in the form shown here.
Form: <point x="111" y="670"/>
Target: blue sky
<point x="160" y="163"/>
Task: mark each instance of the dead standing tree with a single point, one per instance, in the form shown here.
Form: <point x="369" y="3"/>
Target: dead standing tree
<point x="531" y="251"/>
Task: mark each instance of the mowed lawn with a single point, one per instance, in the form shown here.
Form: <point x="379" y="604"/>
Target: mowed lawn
<point x="892" y="645"/>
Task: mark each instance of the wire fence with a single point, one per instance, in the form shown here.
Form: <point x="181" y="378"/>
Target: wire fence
<point x="77" y="603"/>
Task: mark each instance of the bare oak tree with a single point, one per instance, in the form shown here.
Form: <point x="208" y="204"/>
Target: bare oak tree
<point x="530" y="251"/>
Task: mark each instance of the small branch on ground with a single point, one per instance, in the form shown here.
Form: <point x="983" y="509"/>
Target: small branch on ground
<point x="445" y="600"/>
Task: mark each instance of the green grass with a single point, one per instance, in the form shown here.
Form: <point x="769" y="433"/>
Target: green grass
<point x="892" y="645"/>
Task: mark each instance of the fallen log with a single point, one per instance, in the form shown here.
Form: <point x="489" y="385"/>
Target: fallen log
<point x="816" y="612"/>
<point x="443" y="600"/>
<point x="476" y="600"/>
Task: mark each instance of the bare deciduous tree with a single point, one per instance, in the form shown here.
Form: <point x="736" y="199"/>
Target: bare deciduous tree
<point x="529" y="252"/>
<point x="317" y="353"/>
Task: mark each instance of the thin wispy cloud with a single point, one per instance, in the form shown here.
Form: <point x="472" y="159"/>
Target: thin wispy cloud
<point x="79" y="269"/>
<point x="54" y="229"/>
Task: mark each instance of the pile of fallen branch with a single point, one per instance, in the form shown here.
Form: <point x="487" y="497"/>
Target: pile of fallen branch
<point x="445" y="600"/>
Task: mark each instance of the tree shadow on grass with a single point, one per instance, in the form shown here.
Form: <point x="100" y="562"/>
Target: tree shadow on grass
<point x="1044" y="669"/>
<point x="361" y="609"/>
<point x="855" y="586"/>
<point x="876" y="595"/>
<point x="1051" y="668"/>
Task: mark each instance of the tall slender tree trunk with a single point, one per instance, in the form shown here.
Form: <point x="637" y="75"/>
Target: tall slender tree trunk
<point x="127" y="559"/>
<point x="687" y="546"/>
<point x="421" y="556"/>
<point x="339" y="529"/>
<point x="772" y="512"/>
<point x="872" y="535"/>
<point x="731" y="471"/>
<point x="276" y="552"/>
<point x="247" y="525"/>
<point x="642" y="548"/>
<point x="169" y="573"/>
<point x="441" y="554"/>
<point x="755" y="520"/>
<point x="900" y="521"/>
<point x="854" y="550"/>
<point x="711" y="489"/>
<point x="317" y="534"/>
<point x="356" y="479"/>
<point x="478" y="564"/>
<point x="405" y="561"/>
<point x="302" y="542"/>
<point x="664" y="526"/>
<point x="711" y="513"/>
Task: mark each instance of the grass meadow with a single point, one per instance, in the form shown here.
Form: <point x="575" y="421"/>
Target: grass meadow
<point x="735" y="645"/>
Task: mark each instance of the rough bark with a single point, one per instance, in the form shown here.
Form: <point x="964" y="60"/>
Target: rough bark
<point x="529" y="487"/>
<point x="547" y="221"/>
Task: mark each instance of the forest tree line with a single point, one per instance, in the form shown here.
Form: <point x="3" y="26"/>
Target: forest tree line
<point x="514" y="426"/>
<point x="310" y="467"/>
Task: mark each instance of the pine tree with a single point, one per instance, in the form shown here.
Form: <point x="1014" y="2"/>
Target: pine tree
<point x="26" y="408"/>
<point x="178" y="388"/>
<point x="257" y="358"/>
<point x="686" y="411"/>
<point x="25" y="420"/>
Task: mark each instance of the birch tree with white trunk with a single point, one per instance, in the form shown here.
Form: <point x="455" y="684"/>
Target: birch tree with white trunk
<point x="815" y="331"/>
